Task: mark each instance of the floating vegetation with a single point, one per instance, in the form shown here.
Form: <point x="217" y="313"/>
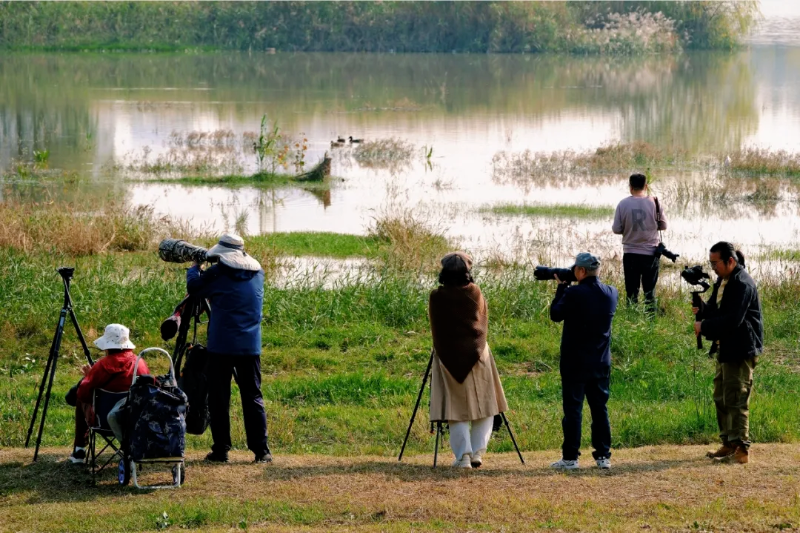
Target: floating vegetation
<point x="552" y="210"/>
<point x="392" y="154"/>
<point x="221" y="152"/>
<point x="762" y="161"/>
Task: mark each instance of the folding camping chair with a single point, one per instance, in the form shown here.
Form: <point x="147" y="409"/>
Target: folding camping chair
<point x="102" y="403"/>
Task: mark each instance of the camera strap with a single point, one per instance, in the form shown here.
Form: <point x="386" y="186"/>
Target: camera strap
<point x="196" y="317"/>
<point x="658" y="218"/>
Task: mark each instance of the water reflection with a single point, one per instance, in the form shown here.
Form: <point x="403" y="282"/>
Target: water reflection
<point x="89" y="110"/>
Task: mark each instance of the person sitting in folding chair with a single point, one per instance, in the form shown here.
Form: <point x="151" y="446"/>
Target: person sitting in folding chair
<point x="111" y="373"/>
<point x="465" y="385"/>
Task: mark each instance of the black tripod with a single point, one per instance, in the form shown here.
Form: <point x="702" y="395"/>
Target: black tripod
<point x="192" y="308"/>
<point x="50" y="368"/>
<point x="439" y="428"/>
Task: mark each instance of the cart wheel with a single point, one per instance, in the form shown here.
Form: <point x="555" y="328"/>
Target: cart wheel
<point x="179" y="467"/>
<point x="123" y="472"/>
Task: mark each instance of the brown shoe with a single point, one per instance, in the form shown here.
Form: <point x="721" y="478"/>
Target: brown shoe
<point x="740" y="456"/>
<point x="724" y="451"/>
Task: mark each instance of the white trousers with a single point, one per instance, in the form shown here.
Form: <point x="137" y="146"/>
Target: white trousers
<point x="466" y="440"/>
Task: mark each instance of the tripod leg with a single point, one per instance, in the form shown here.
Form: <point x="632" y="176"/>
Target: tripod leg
<point x="511" y="433"/>
<point x="54" y="356"/>
<point x="80" y="335"/>
<point x="436" y="445"/>
<point x="39" y="398"/>
<point x="53" y="349"/>
<point x="416" y="406"/>
<point x="46" y="403"/>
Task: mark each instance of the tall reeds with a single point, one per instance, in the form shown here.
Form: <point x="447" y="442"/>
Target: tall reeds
<point x="82" y="230"/>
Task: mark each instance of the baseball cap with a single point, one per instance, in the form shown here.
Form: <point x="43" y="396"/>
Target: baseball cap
<point x="587" y="261"/>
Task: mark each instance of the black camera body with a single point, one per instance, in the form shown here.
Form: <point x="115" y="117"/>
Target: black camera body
<point x="543" y="273"/>
<point x="662" y="250"/>
<point x="695" y="276"/>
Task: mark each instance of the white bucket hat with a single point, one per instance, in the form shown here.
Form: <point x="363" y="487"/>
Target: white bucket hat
<point x="230" y="252"/>
<point x="115" y="337"/>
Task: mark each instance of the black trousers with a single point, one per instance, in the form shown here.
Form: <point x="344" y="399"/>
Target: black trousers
<point x="595" y="388"/>
<point x="247" y="371"/>
<point x="641" y="270"/>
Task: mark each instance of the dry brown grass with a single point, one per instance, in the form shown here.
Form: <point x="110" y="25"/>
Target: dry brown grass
<point x="665" y="488"/>
<point x="391" y="154"/>
<point x="82" y="230"/>
<point x="411" y="243"/>
<point x="596" y="167"/>
<point x="764" y="161"/>
<point x="637" y="154"/>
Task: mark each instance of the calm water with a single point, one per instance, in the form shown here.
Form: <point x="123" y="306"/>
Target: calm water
<point x="92" y="110"/>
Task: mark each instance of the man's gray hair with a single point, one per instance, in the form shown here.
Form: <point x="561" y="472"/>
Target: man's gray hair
<point x="593" y="272"/>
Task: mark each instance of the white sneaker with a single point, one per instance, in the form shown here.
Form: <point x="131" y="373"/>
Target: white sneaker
<point x="477" y="460"/>
<point x="78" y="456"/>
<point x="563" y="464"/>
<point x="464" y="462"/>
<point x="603" y="462"/>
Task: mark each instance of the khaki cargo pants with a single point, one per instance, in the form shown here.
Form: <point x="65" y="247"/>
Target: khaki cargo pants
<point x="732" y="385"/>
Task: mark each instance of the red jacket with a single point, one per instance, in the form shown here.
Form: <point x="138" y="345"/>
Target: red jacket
<point x="112" y="372"/>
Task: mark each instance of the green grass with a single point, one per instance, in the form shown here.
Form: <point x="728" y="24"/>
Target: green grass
<point x="320" y="244"/>
<point x="259" y="178"/>
<point x="553" y="210"/>
<point x="342" y="366"/>
<point x="782" y="255"/>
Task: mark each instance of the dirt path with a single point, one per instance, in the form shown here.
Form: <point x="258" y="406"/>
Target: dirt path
<point x="665" y="488"/>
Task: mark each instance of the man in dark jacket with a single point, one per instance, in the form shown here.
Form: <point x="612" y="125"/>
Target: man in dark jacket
<point x="733" y="322"/>
<point x="587" y="310"/>
<point x="235" y="289"/>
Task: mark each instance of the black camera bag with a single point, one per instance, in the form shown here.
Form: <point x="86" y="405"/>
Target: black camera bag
<point x="193" y="382"/>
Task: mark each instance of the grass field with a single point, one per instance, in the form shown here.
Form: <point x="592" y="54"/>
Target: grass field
<point x="342" y="364"/>
<point x="661" y="488"/>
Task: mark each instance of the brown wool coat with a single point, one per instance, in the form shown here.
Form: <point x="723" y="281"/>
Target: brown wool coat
<point x="465" y="384"/>
<point x="459" y="322"/>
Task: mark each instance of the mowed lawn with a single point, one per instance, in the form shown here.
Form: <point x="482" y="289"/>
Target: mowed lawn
<point x="660" y="488"/>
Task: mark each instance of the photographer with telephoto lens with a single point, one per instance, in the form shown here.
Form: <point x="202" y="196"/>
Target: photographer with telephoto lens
<point x="234" y="287"/>
<point x="732" y="320"/>
<point x="638" y="219"/>
<point x="587" y="310"/>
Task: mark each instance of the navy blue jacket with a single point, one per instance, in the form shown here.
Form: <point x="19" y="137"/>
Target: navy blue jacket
<point x="587" y="310"/>
<point x="236" y="298"/>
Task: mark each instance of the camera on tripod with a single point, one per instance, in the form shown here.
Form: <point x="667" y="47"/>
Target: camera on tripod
<point x="662" y="250"/>
<point x="180" y="251"/>
<point x="543" y="273"/>
<point x="66" y="272"/>
<point x="695" y="276"/>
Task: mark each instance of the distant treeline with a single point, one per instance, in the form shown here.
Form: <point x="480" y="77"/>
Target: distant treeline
<point x="475" y="27"/>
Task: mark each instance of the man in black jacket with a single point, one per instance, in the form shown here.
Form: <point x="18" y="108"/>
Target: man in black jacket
<point x="587" y="310"/>
<point x="733" y="322"/>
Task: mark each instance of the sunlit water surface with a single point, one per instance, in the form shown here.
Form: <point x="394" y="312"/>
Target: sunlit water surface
<point x="91" y="111"/>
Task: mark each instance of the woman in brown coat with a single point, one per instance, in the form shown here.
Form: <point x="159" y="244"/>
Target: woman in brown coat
<point x="465" y="385"/>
